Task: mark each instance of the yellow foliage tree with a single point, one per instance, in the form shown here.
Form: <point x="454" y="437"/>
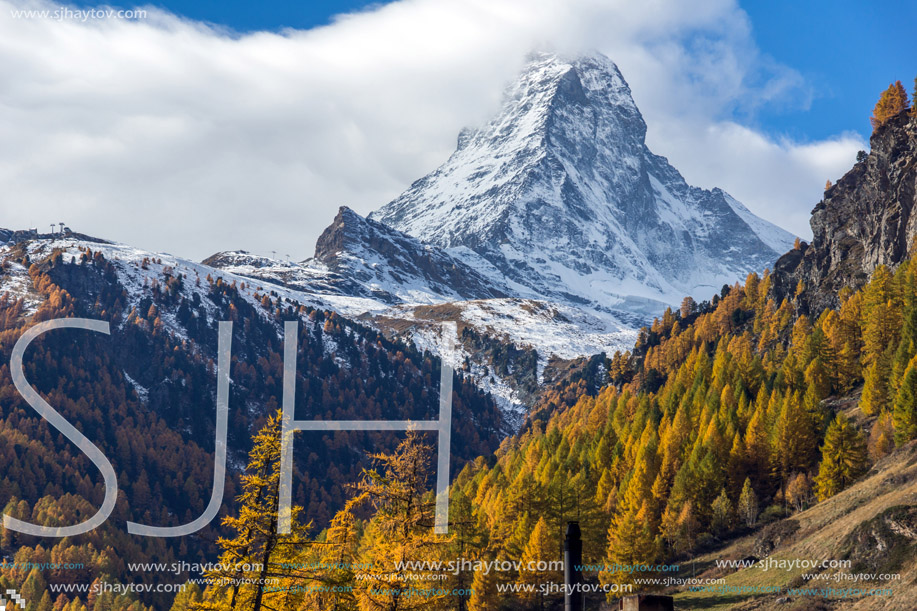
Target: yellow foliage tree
<point x="892" y="101"/>
<point x="258" y="553"/>
<point x="535" y="567"/>
<point x="401" y="532"/>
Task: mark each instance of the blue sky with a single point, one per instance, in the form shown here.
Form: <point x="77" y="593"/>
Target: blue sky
<point x="846" y="50"/>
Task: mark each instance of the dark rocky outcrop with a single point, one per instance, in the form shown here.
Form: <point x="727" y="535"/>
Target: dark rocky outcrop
<point x="24" y="235"/>
<point x="373" y="253"/>
<point x="358" y="257"/>
<point x="884" y="543"/>
<point x="773" y="536"/>
<point x="866" y="219"/>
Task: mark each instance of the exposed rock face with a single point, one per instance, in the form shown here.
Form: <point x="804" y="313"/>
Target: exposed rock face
<point x="865" y="220"/>
<point x="885" y="542"/>
<point x="358" y="257"/>
<point x="376" y="255"/>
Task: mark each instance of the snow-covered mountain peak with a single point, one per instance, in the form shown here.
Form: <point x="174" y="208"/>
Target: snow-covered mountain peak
<point x="559" y="196"/>
<point x="490" y="175"/>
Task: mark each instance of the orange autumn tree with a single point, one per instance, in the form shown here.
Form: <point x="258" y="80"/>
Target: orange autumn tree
<point x="892" y="101"/>
<point x="259" y="563"/>
<point x="400" y="531"/>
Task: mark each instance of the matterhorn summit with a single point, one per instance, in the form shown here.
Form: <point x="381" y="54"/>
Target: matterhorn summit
<point x="559" y="198"/>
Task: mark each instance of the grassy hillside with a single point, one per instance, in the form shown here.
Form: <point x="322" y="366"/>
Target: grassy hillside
<point x="873" y="523"/>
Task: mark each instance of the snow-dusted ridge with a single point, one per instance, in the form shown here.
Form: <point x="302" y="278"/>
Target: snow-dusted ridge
<point x="136" y="269"/>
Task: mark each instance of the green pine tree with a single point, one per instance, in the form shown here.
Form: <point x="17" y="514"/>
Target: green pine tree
<point x="914" y="97"/>
<point x="843" y="457"/>
<point x="721" y="520"/>
<point x="904" y="416"/>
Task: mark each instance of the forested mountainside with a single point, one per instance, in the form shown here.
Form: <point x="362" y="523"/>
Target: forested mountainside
<point x="727" y="413"/>
<point x="764" y="403"/>
<point x="730" y="420"/>
<point x="146" y="396"/>
<point x="750" y="410"/>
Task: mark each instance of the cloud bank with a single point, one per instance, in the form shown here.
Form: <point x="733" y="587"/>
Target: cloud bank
<point x="182" y="137"/>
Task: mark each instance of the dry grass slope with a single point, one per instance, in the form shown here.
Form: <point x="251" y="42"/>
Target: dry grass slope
<point x="873" y="524"/>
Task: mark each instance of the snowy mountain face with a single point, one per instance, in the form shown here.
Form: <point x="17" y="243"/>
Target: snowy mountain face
<point x="396" y="267"/>
<point x="560" y="198"/>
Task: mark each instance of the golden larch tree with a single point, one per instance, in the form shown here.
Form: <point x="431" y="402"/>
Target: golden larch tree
<point x="892" y="101"/>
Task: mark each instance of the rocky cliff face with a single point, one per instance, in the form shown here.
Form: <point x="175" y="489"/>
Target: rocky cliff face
<point x="866" y="219"/>
<point x="394" y="265"/>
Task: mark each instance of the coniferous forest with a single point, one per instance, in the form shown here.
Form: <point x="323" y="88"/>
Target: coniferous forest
<point x="160" y="438"/>
<point x="722" y="419"/>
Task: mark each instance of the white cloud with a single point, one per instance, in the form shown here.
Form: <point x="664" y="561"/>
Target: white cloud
<point x="175" y="136"/>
